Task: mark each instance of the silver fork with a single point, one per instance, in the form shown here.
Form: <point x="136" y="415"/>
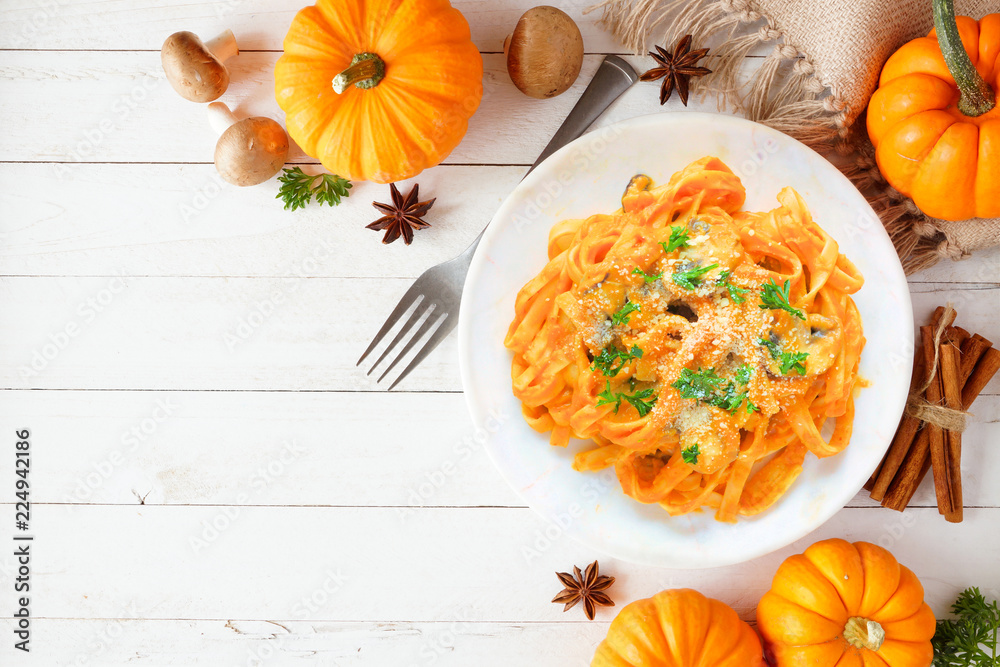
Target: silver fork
<point x="433" y="300"/>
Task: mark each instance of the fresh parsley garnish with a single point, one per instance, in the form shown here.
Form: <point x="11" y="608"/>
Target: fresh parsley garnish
<point x="971" y="640"/>
<point x="735" y="293"/>
<point x="699" y="385"/>
<point x="788" y="361"/>
<point x="776" y="298"/>
<point x="638" y="400"/>
<point x="704" y="385"/>
<point x="621" y="317"/>
<point x="678" y="239"/>
<point x="731" y="399"/>
<point x="297" y="188"/>
<point x="611" y="359"/>
<point x="608" y="397"/>
<point x="690" y="455"/>
<point x="648" y="277"/>
<point x="691" y="278"/>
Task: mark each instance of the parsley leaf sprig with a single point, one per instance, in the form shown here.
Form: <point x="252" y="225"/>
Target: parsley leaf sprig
<point x="639" y="402"/>
<point x="608" y="397"/>
<point x="691" y="278"/>
<point x="612" y="359"/>
<point x="690" y="455"/>
<point x="648" y="277"/>
<point x="731" y="400"/>
<point x="788" y="361"/>
<point x="700" y="385"/>
<point x="705" y="386"/>
<point x="743" y="373"/>
<point x="642" y="400"/>
<point x="679" y="238"/>
<point x="621" y="317"/>
<point x="735" y="293"/>
<point x="297" y="188"/>
<point x="776" y="298"/>
<point x="971" y="640"/>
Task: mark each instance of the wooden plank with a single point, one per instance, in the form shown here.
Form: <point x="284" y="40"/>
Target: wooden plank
<point x="441" y="565"/>
<point x="194" y="333"/>
<point x="117" y="107"/>
<point x="73" y="642"/>
<point x="258" y="24"/>
<point x="284" y="448"/>
<point x="96" y="222"/>
<point x="254" y="333"/>
<point x="981" y="267"/>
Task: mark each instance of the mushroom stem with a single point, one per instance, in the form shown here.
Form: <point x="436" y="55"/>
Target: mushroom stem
<point x="224" y="46"/>
<point x="220" y="117"/>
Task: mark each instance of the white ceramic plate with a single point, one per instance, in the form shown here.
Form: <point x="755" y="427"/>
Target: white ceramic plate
<point x="588" y="176"/>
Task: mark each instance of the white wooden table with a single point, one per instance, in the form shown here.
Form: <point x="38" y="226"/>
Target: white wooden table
<point x="214" y="481"/>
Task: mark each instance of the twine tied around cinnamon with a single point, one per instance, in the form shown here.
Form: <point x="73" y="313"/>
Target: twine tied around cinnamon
<point x="919" y="407"/>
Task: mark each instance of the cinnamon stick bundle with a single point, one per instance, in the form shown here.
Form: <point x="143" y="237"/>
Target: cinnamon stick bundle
<point x="951" y="367"/>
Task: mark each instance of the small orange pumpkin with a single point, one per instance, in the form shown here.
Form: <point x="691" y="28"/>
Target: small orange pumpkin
<point x="850" y="605"/>
<point x="678" y="628"/>
<point x="935" y="118"/>
<point x="409" y="78"/>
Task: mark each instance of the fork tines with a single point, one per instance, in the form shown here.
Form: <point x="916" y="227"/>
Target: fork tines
<point x="412" y="310"/>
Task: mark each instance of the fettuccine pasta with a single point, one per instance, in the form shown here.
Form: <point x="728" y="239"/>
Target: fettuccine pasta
<point x="703" y="349"/>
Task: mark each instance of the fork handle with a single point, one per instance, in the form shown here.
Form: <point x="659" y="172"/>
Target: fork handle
<point x="613" y="78"/>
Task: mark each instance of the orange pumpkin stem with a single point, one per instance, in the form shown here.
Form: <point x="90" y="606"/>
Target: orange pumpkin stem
<point x="862" y="633"/>
<point x="365" y="71"/>
<point x="976" y="97"/>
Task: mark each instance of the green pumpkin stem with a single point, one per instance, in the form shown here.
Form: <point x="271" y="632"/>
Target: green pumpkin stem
<point x="976" y="97"/>
<point x="862" y="633"/>
<point x="366" y="70"/>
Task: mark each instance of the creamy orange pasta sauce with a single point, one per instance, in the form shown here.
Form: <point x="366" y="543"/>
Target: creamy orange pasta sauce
<point x="701" y="347"/>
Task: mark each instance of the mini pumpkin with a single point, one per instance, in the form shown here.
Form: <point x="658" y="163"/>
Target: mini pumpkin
<point x="409" y="78"/>
<point x="849" y="605"/>
<point x="935" y="118"/>
<point x="678" y="628"/>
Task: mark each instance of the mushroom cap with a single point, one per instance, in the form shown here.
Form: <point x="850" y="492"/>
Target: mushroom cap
<point x="191" y="69"/>
<point x="251" y="151"/>
<point x="545" y="52"/>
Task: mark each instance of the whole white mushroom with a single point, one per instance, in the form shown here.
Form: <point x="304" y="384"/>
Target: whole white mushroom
<point x="196" y="69"/>
<point x="249" y="151"/>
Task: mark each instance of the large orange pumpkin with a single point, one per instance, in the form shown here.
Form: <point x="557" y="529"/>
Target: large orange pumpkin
<point x="935" y="120"/>
<point x="410" y="78"/>
<point x="849" y="605"/>
<point x="678" y="628"/>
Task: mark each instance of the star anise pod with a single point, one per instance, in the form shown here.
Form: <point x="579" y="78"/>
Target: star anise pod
<point x="588" y="587"/>
<point x="676" y="69"/>
<point x="402" y="216"/>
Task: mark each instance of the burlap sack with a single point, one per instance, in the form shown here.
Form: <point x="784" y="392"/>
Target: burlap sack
<point x="813" y="85"/>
